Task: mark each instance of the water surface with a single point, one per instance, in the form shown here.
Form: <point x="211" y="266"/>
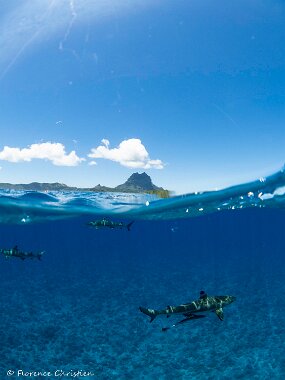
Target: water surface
<point x="77" y="309"/>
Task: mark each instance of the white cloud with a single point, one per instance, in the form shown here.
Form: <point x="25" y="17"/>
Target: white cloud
<point x="54" y="152"/>
<point x="130" y="153"/>
<point x="105" y="142"/>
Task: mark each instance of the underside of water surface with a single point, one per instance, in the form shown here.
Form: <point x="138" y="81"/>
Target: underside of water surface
<point x="78" y="307"/>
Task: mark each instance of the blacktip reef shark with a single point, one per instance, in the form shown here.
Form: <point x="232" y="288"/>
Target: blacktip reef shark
<point x="204" y="304"/>
<point x="15" y="252"/>
<point x="107" y="223"/>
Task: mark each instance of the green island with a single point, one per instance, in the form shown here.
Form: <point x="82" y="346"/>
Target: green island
<point x="136" y="183"/>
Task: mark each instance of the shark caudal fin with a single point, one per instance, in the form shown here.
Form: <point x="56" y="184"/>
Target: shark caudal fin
<point x="129" y="225"/>
<point x="40" y="255"/>
<point x="149" y="312"/>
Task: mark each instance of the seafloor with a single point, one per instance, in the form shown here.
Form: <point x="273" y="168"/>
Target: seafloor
<point x="77" y="309"/>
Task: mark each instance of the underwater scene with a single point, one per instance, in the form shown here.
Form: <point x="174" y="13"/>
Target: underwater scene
<point x="142" y="205"/>
<point x="80" y="271"/>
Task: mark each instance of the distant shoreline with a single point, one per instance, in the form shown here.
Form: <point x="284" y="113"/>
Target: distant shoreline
<point x="136" y="183"/>
<point x="162" y="193"/>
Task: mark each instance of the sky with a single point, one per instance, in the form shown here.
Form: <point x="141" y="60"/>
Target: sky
<point x="191" y="92"/>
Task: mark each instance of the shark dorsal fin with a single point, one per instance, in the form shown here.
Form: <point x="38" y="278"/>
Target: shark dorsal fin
<point x="220" y="313"/>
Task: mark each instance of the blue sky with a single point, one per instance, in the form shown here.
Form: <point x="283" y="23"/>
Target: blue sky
<point x="191" y="92"/>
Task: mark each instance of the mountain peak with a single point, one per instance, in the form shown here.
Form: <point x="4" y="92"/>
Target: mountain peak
<point x="138" y="182"/>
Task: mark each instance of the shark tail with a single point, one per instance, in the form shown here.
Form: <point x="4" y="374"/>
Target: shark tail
<point x="40" y="254"/>
<point x="129" y="225"/>
<point x="151" y="313"/>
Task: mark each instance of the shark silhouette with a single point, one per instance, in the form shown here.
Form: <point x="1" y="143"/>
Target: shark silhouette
<point x="107" y="223"/>
<point x="15" y="252"/>
<point x="189" y="310"/>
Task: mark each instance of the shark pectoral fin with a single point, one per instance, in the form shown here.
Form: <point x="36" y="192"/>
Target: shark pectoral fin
<point x="129" y="225"/>
<point x="149" y="312"/>
<point x="220" y="314"/>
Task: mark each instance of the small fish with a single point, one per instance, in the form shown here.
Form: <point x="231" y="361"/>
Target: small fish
<point x="106" y="223"/>
<point x="15" y="252"/>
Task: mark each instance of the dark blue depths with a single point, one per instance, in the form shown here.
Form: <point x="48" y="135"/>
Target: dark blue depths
<point x="77" y="309"/>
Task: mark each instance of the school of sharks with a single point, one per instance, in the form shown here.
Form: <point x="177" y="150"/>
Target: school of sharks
<point x="190" y="311"/>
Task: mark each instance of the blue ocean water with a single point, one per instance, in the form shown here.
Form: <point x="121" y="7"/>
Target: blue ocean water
<point x="77" y="308"/>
